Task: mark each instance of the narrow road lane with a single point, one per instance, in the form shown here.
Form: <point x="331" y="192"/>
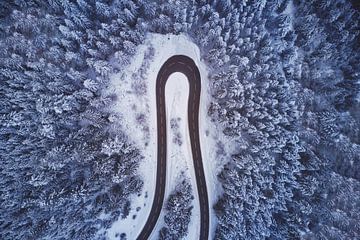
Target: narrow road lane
<point x="187" y="66"/>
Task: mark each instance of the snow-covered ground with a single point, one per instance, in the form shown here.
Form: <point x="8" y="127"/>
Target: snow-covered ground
<point x="131" y="106"/>
<point x="178" y="156"/>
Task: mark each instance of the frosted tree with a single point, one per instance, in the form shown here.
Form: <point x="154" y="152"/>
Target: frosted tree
<point x="178" y="212"/>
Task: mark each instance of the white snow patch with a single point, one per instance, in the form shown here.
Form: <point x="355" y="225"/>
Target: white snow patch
<point x="130" y="105"/>
<point x="290" y="10"/>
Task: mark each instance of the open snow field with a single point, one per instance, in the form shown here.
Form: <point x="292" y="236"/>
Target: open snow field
<point x="130" y="105"/>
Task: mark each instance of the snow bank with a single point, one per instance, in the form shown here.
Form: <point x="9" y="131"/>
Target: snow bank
<point x="131" y="105"/>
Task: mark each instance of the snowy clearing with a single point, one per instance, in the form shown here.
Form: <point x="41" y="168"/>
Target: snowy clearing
<point x="179" y="157"/>
<point x="132" y="105"/>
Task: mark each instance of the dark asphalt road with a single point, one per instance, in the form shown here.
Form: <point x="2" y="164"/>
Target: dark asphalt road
<point x="187" y="66"/>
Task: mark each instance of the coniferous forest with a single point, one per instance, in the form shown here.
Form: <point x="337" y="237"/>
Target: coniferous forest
<point x="284" y="79"/>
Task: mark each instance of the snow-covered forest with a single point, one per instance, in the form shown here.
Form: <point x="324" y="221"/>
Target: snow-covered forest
<point x="284" y="80"/>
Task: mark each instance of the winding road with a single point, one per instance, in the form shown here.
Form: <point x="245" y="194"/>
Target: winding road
<point x="185" y="65"/>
